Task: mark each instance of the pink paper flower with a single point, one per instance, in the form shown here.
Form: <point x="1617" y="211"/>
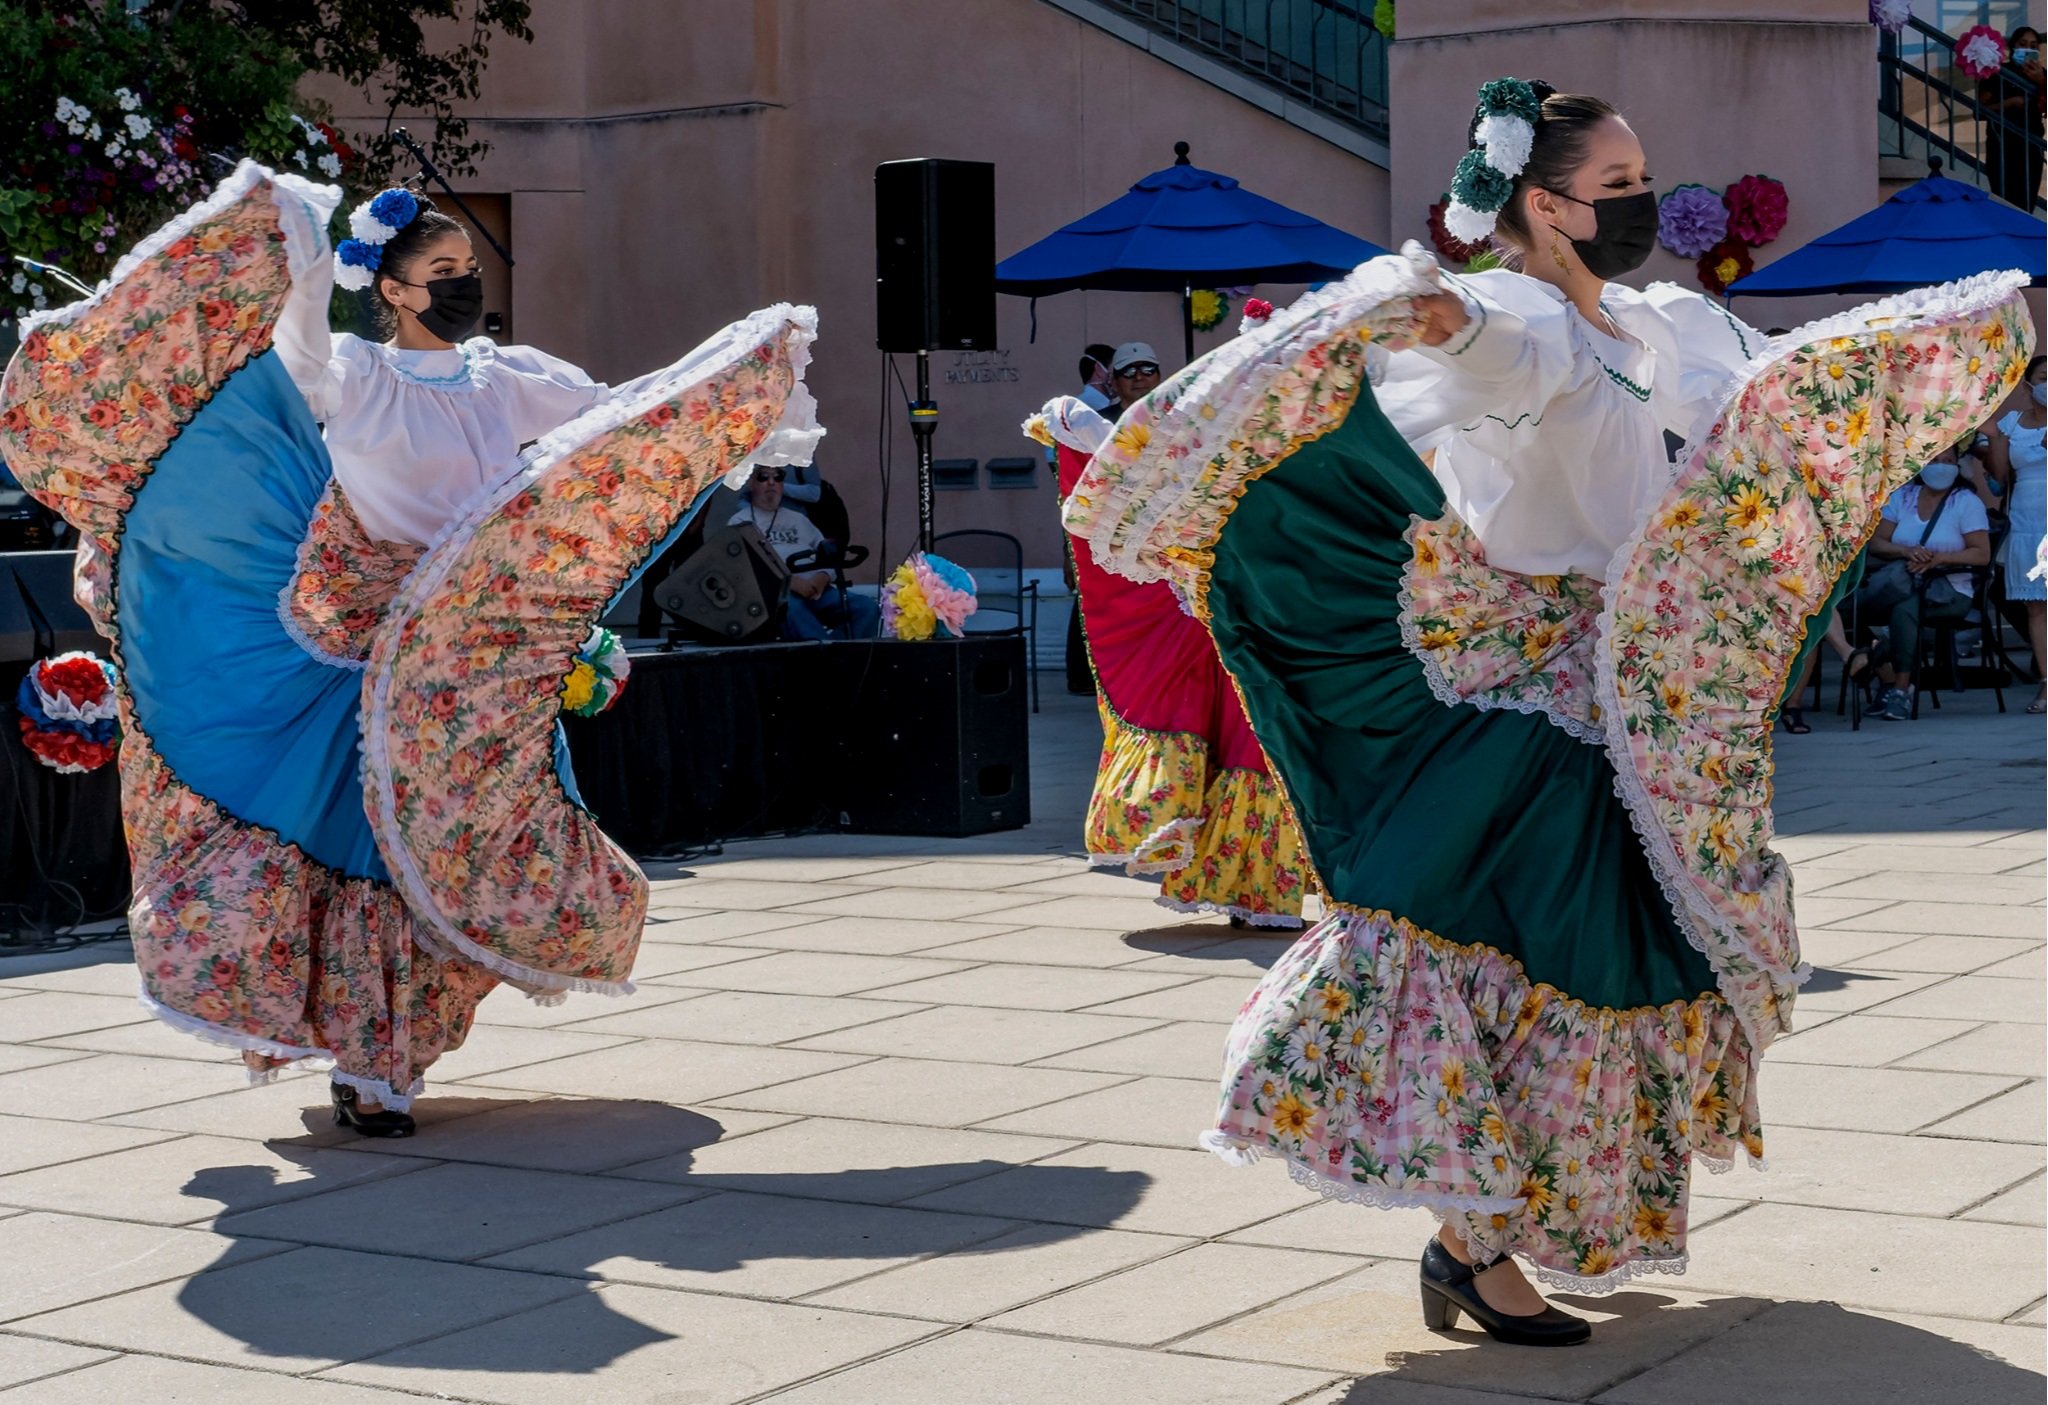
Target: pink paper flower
<point x="1980" y="51"/>
<point x="1756" y="209"/>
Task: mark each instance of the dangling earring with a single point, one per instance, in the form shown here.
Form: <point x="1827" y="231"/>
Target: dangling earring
<point x="1557" y="254"/>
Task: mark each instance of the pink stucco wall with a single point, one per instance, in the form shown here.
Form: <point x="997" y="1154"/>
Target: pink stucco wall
<point x="636" y="235"/>
<point x="672" y="164"/>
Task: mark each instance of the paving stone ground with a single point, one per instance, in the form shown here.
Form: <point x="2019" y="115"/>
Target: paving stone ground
<point x="911" y="1122"/>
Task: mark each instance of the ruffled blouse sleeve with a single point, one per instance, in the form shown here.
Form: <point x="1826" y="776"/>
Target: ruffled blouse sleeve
<point x="1493" y="378"/>
<point x="1702" y="344"/>
<point x="319" y="362"/>
<point x="542" y="392"/>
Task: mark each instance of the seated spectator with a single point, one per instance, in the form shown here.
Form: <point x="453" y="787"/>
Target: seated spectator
<point x="817" y="606"/>
<point x="1933" y="530"/>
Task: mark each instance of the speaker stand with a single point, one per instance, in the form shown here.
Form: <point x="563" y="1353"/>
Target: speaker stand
<point x="924" y="422"/>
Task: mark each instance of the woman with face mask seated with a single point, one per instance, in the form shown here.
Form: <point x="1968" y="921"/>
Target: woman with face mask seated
<point x="343" y="659"/>
<point x="1930" y="528"/>
<point x="1521" y="699"/>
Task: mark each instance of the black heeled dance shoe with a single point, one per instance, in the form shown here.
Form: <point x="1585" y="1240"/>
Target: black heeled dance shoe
<point x="348" y="1112"/>
<point x="1448" y="1288"/>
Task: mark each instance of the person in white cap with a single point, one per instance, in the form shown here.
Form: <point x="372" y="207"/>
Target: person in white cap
<point x="1136" y="368"/>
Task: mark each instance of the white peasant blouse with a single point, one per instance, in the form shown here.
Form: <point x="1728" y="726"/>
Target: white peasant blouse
<point x="415" y="435"/>
<point x="1548" y="432"/>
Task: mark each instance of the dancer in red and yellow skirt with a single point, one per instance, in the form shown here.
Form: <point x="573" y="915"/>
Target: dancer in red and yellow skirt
<point x="1182" y="789"/>
<point x="1522" y="698"/>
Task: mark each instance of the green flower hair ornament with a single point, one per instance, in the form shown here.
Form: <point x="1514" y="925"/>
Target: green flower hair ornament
<point x="1503" y="134"/>
<point x="1510" y="97"/>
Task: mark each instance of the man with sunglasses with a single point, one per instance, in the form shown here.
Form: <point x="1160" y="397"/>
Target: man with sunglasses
<point x="1136" y="368"/>
<point x="817" y="608"/>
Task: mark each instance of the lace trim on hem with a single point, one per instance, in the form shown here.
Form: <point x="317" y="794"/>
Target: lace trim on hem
<point x="297" y="634"/>
<point x="798" y="328"/>
<point x="1238" y="1151"/>
<point x="304" y="224"/>
<point x="1439" y="679"/>
<point x="1290" y="921"/>
<point x="315" y="1059"/>
<point x="1241" y="1151"/>
<point x="1605" y="1282"/>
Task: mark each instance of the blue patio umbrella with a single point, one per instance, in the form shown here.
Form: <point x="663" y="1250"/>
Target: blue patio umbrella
<point x="1180" y="229"/>
<point x="1933" y="231"/>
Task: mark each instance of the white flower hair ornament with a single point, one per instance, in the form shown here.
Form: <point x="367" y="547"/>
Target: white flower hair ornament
<point x="1503" y="134"/>
<point x="373" y="225"/>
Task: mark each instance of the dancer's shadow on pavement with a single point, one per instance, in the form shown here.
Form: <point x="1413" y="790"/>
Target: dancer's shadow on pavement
<point x="536" y="1204"/>
<point x="1653" y="1350"/>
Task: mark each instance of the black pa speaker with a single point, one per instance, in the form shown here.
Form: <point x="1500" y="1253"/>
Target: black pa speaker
<point x="37" y="614"/>
<point x="935" y="255"/>
<point x="939" y="740"/>
<point x="731" y="590"/>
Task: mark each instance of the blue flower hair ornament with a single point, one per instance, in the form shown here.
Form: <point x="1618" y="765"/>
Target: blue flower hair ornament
<point x="372" y="225"/>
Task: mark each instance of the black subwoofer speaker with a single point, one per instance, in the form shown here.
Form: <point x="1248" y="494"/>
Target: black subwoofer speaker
<point x="935" y="255"/>
<point x="732" y="590"/>
<point x="939" y="742"/>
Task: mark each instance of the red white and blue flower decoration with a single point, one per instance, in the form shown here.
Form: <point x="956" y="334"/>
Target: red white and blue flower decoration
<point x="927" y="594"/>
<point x="68" y="716"/>
<point x="373" y="225"/>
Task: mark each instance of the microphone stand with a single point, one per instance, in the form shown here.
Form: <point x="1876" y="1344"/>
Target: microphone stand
<point x="433" y="173"/>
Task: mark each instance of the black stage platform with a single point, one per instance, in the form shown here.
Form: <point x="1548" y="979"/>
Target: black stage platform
<point x="707" y="744"/>
<point x="874" y="737"/>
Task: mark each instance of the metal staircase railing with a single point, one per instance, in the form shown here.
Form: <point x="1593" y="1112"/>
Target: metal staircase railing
<point x="1324" y="54"/>
<point x="1988" y="133"/>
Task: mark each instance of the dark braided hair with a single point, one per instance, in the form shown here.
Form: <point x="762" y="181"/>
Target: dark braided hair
<point x="401" y="252"/>
<point x="1563" y="132"/>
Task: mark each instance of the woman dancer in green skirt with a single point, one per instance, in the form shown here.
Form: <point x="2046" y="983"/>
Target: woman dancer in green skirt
<point x="1521" y="694"/>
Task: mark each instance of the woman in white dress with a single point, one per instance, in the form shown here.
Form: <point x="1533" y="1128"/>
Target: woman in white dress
<point x="2017" y="461"/>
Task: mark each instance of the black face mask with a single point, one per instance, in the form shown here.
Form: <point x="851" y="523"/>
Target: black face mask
<point x="457" y="306"/>
<point x="1624" y="233"/>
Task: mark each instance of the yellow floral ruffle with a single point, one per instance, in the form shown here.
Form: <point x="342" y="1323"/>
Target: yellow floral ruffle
<point x="1247" y="860"/>
<point x="1222" y="841"/>
<point x="1147" y="805"/>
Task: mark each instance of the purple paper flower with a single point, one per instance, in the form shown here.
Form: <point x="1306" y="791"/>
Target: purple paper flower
<point x="1891" y="15"/>
<point x="1691" y="220"/>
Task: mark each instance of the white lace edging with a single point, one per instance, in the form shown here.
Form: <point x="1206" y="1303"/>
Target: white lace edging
<point x="1241" y="1151"/>
<point x="1241" y="914"/>
<point x="798" y="326"/>
<point x="1233" y="380"/>
<point x="289" y="619"/>
<point x="1702" y="924"/>
<point x="1237" y="1151"/>
<point x="1445" y="691"/>
<point x="316" y="1059"/>
<point x="303" y="218"/>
